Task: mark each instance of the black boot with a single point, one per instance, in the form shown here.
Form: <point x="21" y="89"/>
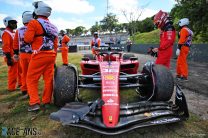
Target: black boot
<point x="24" y="92"/>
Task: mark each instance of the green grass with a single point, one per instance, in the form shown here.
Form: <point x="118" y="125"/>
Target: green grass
<point x="13" y="113"/>
<point x="147" y="37"/>
<point x="152" y="37"/>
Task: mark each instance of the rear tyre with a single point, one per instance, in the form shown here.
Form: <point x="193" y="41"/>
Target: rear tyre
<point x="127" y="56"/>
<point x="65" y="85"/>
<point x="160" y="85"/>
<point x="90" y="56"/>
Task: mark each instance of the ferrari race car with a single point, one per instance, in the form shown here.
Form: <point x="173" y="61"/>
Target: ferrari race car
<point x="109" y="71"/>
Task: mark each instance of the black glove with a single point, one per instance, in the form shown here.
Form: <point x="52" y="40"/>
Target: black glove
<point x="9" y="59"/>
<point x="96" y="45"/>
<point x="179" y="46"/>
<point x="9" y="62"/>
<point x="151" y="52"/>
<point x="16" y="51"/>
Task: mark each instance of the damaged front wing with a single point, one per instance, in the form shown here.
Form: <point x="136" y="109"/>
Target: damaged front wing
<point x="132" y="116"/>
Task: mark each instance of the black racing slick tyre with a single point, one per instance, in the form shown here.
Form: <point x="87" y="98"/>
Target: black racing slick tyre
<point x="164" y="83"/>
<point x="90" y="56"/>
<point x="161" y="83"/>
<point x="65" y="85"/>
<point x="127" y="56"/>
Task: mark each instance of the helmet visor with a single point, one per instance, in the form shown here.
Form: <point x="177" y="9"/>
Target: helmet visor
<point x="13" y="22"/>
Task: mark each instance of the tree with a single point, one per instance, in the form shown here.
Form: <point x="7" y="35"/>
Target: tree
<point x="109" y="22"/>
<point x="119" y="28"/>
<point x="70" y="31"/>
<point x="79" y="30"/>
<point x="132" y="18"/>
<point x="197" y="12"/>
<point x="85" y="31"/>
<point x="146" y="25"/>
<point x="95" y="28"/>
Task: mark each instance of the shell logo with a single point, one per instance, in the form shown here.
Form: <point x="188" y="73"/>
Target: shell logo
<point x="109" y="77"/>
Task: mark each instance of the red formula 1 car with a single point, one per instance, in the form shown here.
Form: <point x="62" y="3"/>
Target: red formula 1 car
<point x="111" y="70"/>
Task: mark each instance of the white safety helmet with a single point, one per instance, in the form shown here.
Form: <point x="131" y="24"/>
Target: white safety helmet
<point x="27" y="16"/>
<point x="7" y="19"/>
<point x="95" y="33"/>
<point x="62" y="32"/>
<point x="183" y="22"/>
<point x="42" y="8"/>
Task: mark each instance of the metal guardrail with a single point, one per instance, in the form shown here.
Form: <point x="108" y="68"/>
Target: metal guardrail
<point x="83" y="47"/>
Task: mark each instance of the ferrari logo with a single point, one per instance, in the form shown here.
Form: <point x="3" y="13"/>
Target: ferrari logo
<point x="109" y="77"/>
<point x="110" y="118"/>
<point x="110" y="100"/>
<point x="147" y="114"/>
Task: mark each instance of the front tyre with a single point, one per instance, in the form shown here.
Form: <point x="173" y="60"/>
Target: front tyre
<point x="160" y="83"/>
<point x="65" y="85"/>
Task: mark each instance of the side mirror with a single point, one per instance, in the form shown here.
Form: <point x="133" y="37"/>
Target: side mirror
<point x="85" y="59"/>
<point x="133" y="58"/>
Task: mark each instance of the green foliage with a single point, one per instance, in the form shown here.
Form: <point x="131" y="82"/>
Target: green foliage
<point x="70" y="31"/>
<point x="109" y="22"/>
<point x="197" y="12"/>
<point x="79" y="30"/>
<point x="145" y="25"/>
<point x="119" y="28"/>
<point x="95" y="28"/>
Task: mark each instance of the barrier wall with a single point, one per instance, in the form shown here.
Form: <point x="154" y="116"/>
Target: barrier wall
<point x="73" y="48"/>
<point x="198" y="52"/>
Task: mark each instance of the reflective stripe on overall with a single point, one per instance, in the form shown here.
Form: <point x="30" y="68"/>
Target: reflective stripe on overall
<point x="95" y="41"/>
<point x="189" y="37"/>
<point x="50" y="33"/>
<point x="11" y="34"/>
<point x="13" y="74"/>
<point x="23" y="47"/>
